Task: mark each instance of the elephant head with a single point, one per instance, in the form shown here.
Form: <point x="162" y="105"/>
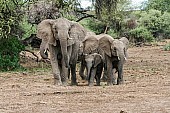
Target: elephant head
<point x="90" y="44"/>
<point x="56" y="33"/>
<point x="112" y="47"/>
<point x="126" y="43"/>
<point x="92" y="61"/>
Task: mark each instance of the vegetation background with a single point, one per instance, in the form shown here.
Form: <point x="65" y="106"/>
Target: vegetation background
<point x="18" y="19"/>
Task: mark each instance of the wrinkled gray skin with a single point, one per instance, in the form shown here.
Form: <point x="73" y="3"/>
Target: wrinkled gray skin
<point x="94" y="66"/>
<point x="126" y="43"/>
<point x="81" y="55"/>
<point x="89" y="46"/>
<point x="62" y="37"/>
<point x="115" y="57"/>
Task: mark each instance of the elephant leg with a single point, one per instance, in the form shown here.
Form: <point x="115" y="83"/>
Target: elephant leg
<point x="98" y="74"/>
<point x="114" y="76"/>
<point x="64" y="73"/>
<point x="81" y="71"/>
<point x="92" y="76"/>
<point x="73" y="51"/>
<point x="73" y="73"/>
<point x="109" y="72"/>
<point x="120" y="74"/>
<point x="69" y="73"/>
<point x="54" y="64"/>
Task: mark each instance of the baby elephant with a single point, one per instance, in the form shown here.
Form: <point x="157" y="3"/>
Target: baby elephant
<point x="94" y="66"/>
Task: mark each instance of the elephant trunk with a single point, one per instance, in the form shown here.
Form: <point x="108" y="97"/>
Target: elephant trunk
<point x="43" y="48"/>
<point x="89" y="66"/>
<point x="63" y="43"/>
<point x="121" y="55"/>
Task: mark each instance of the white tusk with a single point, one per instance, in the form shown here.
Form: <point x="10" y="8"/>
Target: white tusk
<point x="125" y="58"/>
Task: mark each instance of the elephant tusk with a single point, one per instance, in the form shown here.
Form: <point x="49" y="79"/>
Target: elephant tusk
<point x="118" y="58"/>
<point x="125" y="58"/>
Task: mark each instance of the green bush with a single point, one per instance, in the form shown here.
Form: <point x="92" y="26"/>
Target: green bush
<point x="96" y="26"/>
<point x="27" y="29"/>
<point x="141" y="34"/>
<point x="112" y="33"/>
<point x="9" y="54"/>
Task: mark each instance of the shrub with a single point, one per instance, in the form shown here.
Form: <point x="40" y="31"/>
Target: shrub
<point x="9" y="54"/>
<point x="27" y="29"/>
<point x="96" y="26"/>
<point x="112" y="33"/>
<point x="141" y="34"/>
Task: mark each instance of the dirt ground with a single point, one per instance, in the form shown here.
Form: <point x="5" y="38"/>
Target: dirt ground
<point x="146" y="88"/>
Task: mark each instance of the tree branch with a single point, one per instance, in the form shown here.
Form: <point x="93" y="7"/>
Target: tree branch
<point x="32" y="53"/>
<point x="86" y="16"/>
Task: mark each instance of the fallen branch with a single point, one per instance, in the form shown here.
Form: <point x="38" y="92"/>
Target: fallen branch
<point x="32" y="54"/>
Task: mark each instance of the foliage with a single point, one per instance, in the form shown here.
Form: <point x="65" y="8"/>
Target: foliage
<point x="161" y="5"/>
<point x="155" y="22"/>
<point x="141" y="34"/>
<point x="95" y="25"/>
<point x="111" y="12"/>
<point x="151" y="20"/>
<point x="167" y="47"/>
<point x="10" y="31"/>
<point x="9" y="53"/>
<point x="27" y="28"/>
<point x="112" y="33"/>
<point x="10" y="16"/>
<point x="39" y="10"/>
<point x="165" y="24"/>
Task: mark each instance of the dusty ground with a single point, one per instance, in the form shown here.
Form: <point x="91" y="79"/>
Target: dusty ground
<point x="146" y="89"/>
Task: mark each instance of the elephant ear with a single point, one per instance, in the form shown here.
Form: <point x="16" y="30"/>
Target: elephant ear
<point x="105" y="44"/>
<point x="90" y="44"/>
<point x="72" y="32"/>
<point x="44" y="31"/>
<point x="97" y="59"/>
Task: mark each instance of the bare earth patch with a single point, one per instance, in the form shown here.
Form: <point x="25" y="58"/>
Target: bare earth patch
<point x="146" y="89"/>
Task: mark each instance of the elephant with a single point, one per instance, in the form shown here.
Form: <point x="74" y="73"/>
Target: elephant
<point x="94" y="66"/>
<point x="115" y="52"/>
<point x="62" y="37"/>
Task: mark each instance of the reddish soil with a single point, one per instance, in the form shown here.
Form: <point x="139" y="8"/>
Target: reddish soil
<point x="146" y="88"/>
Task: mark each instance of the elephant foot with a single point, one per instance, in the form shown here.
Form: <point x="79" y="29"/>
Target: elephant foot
<point x="57" y="82"/>
<point x="74" y="83"/>
<point x="114" y="83"/>
<point x="119" y="82"/>
<point x="109" y="84"/>
<point x="65" y="83"/>
<point x="91" y="84"/>
<point x="98" y="84"/>
<point x="83" y="77"/>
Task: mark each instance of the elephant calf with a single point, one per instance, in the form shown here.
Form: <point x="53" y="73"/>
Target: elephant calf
<point x="94" y="65"/>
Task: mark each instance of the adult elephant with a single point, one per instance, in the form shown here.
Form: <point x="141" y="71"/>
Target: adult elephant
<point x="62" y="37"/>
<point x="115" y="56"/>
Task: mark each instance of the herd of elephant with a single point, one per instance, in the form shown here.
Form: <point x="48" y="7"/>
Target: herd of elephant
<point x="68" y="41"/>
